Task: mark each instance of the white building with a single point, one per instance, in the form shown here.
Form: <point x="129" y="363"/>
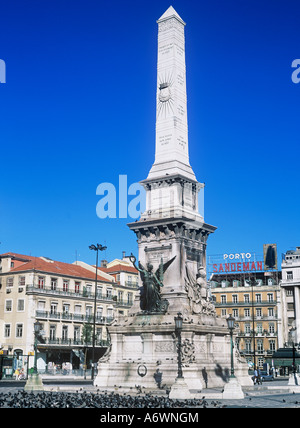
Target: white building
<point x="290" y="284"/>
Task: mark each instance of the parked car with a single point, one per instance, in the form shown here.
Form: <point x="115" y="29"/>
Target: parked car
<point x="266" y="376"/>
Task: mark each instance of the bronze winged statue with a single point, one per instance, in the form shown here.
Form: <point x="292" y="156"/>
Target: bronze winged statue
<point x="151" y="300"/>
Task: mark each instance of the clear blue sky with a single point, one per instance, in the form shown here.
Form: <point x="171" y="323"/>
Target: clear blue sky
<point x="78" y="109"/>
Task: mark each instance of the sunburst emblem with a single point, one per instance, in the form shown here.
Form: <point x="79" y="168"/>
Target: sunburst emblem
<point x="165" y="100"/>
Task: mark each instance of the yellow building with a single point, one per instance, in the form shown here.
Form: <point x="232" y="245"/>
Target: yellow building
<point x="61" y="297"/>
<point x="254" y="300"/>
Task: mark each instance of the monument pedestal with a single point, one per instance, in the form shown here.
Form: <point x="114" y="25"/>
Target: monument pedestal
<point x="294" y="380"/>
<point x="179" y="390"/>
<point x="34" y="383"/>
<point x="233" y="389"/>
<point x="144" y="353"/>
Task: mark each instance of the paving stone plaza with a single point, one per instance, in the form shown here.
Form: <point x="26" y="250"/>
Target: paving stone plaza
<point x="83" y="395"/>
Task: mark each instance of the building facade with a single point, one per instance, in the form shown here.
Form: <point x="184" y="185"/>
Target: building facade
<point x="61" y="297"/>
<point x="254" y="299"/>
<point x="291" y="295"/>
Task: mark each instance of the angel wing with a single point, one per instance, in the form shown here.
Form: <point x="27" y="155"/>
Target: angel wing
<point x="163" y="267"/>
<point x="141" y="269"/>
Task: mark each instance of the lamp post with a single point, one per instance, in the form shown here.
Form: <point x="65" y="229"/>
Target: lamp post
<point x="230" y="323"/>
<point x="178" y="329"/>
<point x="37" y="329"/>
<point x="180" y="389"/>
<point x="95" y="248"/>
<point x="34" y="382"/>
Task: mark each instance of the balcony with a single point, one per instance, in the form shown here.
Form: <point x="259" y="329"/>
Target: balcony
<point x="65" y="342"/>
<point x="45" y="315"/>
<point x="34" y="289"/>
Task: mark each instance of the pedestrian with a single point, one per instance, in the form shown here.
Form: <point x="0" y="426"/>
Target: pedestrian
<point x="255" y="377"/>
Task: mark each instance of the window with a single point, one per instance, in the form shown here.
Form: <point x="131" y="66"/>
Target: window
<point x="260" y="345"/>
<point x="41" y="282"/>
<point x="247" y="328"/>
<point x="248" y="346"/>
<point x="272" y="345"/>
<point x="53" y="284"/>
<point x="258" y="298"/>
<point x="289" y="275"/>
<point x="10" y="281"/>
<point x="234" y="298"/>
<point x="110" y="313"/>
<point x="77" y="286"/>
<point x="21" y="305"/>
<point x="99" y="312"/>
<point x="21" y="281"/>
<point x="270" y="297"/>
<point x="77" y="309"/>
<point x="76" y="334"/>
<point x="109" y="293"/>
<point x="65" y="333"/>
<point x="246" y="298"/>
<point x="53" y="308"/>
<point x="271" y="312"/>
<point x="99" y="292"/>
<point x="88" y="311"/>
<point x="223" y="298"/>
<point x="259" y="328"/>
<point x="271" y="328"/>
<point x="235" y="313"/>
<point x="99" y="334"/>
<point x="52" y="333"/>
<point x="19" y="330"/>
<point x="129" y="298"/>
<point x="247" y="312"/>
<point x="66" y="308"/>
<point x="224" y="312"/>
<point x="7" y="330"/>
<point x="8" y="305"/>
<point x="258" y="312"/>
<point x="65" y="285"/>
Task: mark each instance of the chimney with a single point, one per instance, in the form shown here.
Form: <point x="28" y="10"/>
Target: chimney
<point x="123" y="255"/>
<point x="103" y="263"/>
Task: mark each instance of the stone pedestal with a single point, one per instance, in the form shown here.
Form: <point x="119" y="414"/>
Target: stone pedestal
<point x="179" y="390"/>
<point x="34" y="383"/>
<point x="294" y="380"/>
<point x="233" y="389"/>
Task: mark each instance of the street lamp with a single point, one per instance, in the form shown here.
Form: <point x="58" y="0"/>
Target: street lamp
<point x="230" y="323"/>
<point x="34" y="381"/>
<point x="96" y="248"/>
<point x="178" y="329"/>
<point x="37" y="329"/>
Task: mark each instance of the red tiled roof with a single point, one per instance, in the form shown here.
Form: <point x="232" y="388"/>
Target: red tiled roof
<point x="51" y="266"/>
<point x="119" y="268"/>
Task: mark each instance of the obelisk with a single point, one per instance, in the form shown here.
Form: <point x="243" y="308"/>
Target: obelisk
<point x="171" y="149"/>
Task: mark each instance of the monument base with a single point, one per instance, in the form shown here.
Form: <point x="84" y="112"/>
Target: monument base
<point x="294" y="379"/>
<point x="143" y="354"/>
<point x="34" y="383"/>
<point x="179" y="390"/>
<point x="233" y="389"/>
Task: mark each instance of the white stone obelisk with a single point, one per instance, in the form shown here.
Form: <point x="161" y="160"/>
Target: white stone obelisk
<point x="171" y="148"/>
